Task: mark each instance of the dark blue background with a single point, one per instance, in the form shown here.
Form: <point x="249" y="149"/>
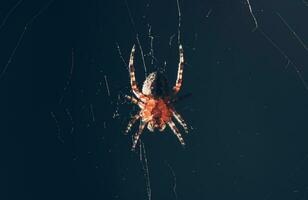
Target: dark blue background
<point x="248" y="108"/>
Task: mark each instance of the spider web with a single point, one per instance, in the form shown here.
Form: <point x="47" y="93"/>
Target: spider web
<point x="142" y="151"/>
<point x="89" y="131"/>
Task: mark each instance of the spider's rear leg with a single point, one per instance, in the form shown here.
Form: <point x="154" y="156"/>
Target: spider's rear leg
<point x="135" y="101"/>
<point x="179" y="81"/>
<point x="137" y="135"/>
<point x="180" y="119"/>
<point x="176" y="131"/>
<point x="131" y="122"/>
<point x="133" y="82"/>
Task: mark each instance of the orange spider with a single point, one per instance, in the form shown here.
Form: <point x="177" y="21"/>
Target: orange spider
<point x="155" y="101"/>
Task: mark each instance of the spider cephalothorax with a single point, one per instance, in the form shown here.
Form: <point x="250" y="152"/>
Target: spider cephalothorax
<point x="155" y="101"/>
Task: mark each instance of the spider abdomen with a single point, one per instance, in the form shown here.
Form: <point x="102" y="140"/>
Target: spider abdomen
<point x="156" y="85"/>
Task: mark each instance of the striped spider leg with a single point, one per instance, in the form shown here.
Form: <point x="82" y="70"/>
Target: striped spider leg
<point x="179" y="79"/>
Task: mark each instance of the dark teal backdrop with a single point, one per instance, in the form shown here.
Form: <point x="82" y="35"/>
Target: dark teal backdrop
<point x="62" y="133"/>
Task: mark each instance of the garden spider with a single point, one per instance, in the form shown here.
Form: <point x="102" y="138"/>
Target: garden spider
<point x="155" y="101"/>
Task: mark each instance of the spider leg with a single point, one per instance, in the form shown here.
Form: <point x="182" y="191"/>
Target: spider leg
<point x="131" y="122"/>
<point x="135" y="101"/>
<point x="137" y="135"/>
<point x="132" y="99"/>
<point x="176" y="131"/>
<point x="180" y="119"/>
<point x="133" y="82"/>
<point x="178" y="83"/>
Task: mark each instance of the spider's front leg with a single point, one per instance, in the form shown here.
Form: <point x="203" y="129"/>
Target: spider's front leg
<point x="133" y="82"/>
<point x="176" y="132"/>
<point x="131" y="122"/>
<point x="137" y="135"/>
<point x="178" y="83"/>
<point x="180" y="119"/>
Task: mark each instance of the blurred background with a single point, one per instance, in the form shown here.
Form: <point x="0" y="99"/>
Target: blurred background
<point x="64" y="73"/>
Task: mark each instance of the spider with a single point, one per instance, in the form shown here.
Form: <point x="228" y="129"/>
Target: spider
<point x="155" y="101"/>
